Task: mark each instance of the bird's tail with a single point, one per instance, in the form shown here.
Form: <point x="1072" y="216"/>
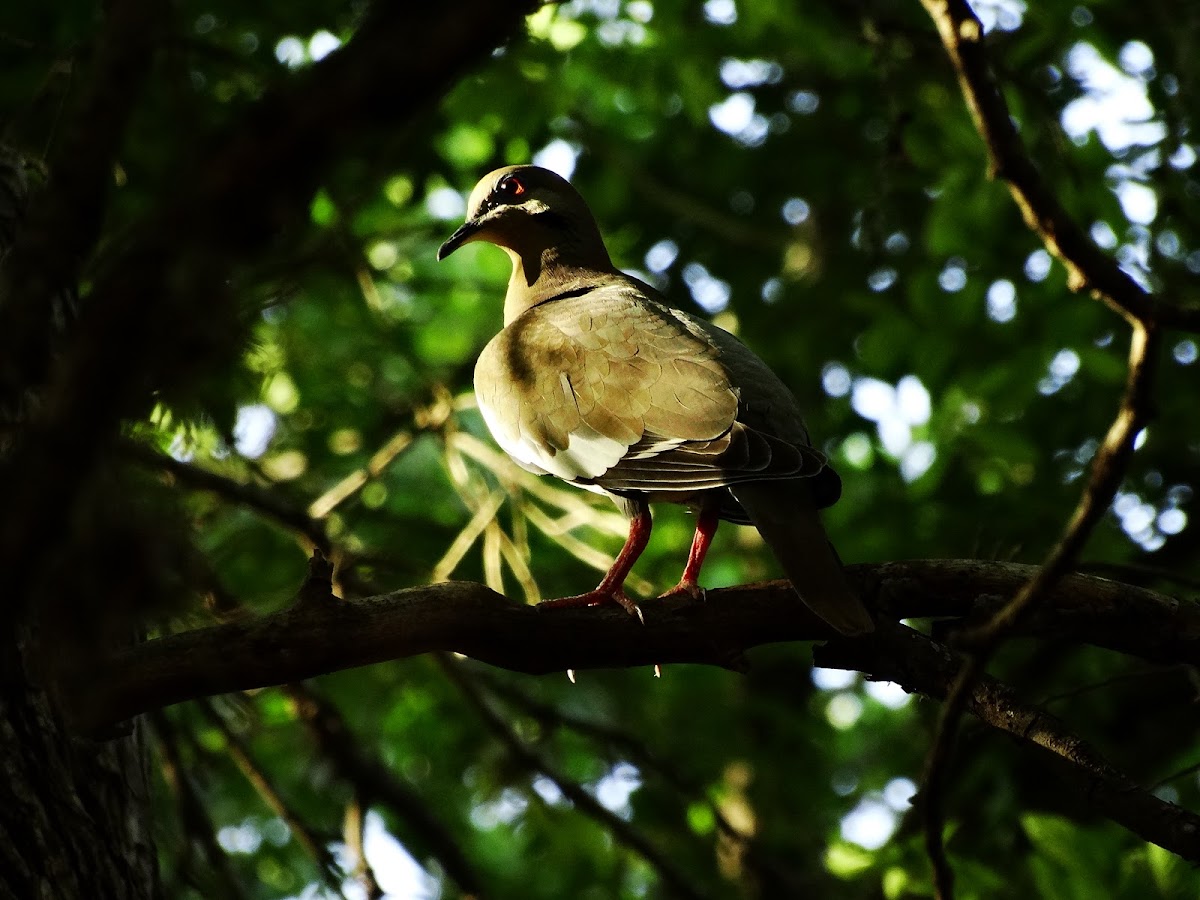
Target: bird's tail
<point x="786" y="516"/>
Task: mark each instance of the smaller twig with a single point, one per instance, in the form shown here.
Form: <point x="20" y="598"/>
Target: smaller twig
<point x="314" y="845"/>
<point x="242" y="493"/>
<point x="1175" y="776"/>
<point x="1088" y="267"/>
<point x="374" y="782"/>
<point x="1139" y="572"/>
<point x="1107" y="471"/>
<point x="1060" y="696"/>
<point x="621" y="831"/>
<point x="197" y="826"/>
<point x="636" y="752"/>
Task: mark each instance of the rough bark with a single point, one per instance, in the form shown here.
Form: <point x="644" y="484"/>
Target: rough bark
<point x="74" y="812"/>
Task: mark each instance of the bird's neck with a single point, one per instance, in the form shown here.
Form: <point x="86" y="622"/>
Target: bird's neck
<point x="544" y="271"/>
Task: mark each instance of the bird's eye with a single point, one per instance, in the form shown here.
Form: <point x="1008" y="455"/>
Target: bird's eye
<point x="510" y="186"/>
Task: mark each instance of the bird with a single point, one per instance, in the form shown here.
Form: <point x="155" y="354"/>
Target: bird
<point x="597" y="380"/>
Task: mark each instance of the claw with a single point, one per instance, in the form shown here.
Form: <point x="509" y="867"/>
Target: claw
<point x="686" y="588"/>
<point x="598" y="597"/>
<point x="571" y="675"/>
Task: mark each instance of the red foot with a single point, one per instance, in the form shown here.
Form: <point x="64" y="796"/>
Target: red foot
<point x="597" y="597"/>
<point x="685" y="588"/>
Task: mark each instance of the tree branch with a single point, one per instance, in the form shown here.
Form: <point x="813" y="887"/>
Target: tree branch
<point x="374" y="783"/>
<point x="1088" y="267"/>
<point x="1107" y="471"/>
<point x="141" y="328"/>
<point x="320" y="633"/>
<point x="314" y="844"/>
<point x="918" y="664"/>
<point x="324" y="634"/>
<point x="622" y="832"/>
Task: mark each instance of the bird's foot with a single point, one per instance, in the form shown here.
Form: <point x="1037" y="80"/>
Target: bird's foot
<point x="686" y="588"/>
<point x="597" y="597"/>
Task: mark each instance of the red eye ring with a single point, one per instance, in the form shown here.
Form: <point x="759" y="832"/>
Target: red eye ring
<point x="511" y="186"/>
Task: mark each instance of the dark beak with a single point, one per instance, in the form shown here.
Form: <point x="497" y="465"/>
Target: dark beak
<point x="460" y="237"/>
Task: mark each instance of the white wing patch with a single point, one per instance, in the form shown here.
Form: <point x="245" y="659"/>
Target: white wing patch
<point x="588" y="453"/>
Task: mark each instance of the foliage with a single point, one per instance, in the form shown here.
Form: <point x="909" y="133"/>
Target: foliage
<point x="811" y="178"/>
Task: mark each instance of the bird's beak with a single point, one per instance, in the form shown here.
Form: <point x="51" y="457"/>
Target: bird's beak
<point x="465" y="234"/>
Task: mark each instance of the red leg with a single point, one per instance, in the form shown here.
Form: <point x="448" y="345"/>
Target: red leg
<point x="706" y="526"/>
<point x="612" y="588"/>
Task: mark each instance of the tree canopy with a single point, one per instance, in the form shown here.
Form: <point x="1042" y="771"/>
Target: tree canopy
<point x="238" y="422"/>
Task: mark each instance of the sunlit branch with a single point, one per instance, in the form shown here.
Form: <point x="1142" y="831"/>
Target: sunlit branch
<point x="353" y="827"/>
<point x="430" y="416"/>
<point x="314" y="845"/>
<point x="1089" y="268"/>
<point x="1107" y="471"/>
<point x="622" y="832"/>
<point x="374" y="783"/>
<point x="193" y="817"/>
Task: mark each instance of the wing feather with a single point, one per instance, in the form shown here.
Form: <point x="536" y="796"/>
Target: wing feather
<point x="611" y="390"/>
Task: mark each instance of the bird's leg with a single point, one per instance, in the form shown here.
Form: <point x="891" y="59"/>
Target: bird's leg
<point x="706" y="526"/>
<point x="612" y="588"/>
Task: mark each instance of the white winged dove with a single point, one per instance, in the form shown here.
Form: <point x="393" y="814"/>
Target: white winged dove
<point x="595" y="380"/>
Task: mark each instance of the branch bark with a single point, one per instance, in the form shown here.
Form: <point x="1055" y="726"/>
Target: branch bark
<point x="321" y="633"/>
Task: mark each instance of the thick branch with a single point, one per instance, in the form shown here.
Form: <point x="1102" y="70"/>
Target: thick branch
<point x="1088" y="267"/>
<point x="323" y="634"/>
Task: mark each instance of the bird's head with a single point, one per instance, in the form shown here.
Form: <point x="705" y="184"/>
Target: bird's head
<point x="527" y="210"/>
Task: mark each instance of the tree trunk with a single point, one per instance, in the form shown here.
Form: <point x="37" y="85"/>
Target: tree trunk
<point x="74" y="812"/>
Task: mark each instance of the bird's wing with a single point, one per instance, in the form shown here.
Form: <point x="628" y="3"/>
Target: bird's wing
<point x="611" y="389"/>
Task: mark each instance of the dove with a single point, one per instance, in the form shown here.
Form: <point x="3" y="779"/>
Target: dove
<point x="596" y="380"/>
